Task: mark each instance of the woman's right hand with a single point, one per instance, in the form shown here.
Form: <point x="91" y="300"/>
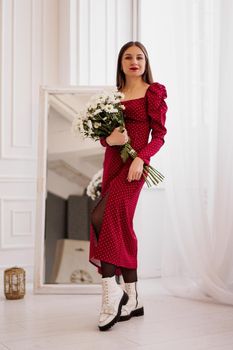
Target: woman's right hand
<point x="117" y="138"/>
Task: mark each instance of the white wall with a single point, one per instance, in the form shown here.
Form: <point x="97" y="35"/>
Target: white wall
<point x="28" y="58"/>
<point x="102" y="28"/>
<point x="35" y="46"/>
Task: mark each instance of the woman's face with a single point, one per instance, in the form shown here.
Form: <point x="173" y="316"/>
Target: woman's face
<point x="133" y="62"/>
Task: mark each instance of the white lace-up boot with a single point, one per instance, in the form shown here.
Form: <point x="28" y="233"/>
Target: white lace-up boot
<point x="134" y="306"/>
<point x="113" y="298"/>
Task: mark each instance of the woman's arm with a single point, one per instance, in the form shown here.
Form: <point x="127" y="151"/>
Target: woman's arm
<point x="116" y="138"/>
<point x="157" y="108"/>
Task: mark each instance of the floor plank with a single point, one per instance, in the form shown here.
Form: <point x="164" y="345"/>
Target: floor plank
<point x="69" y="322"/>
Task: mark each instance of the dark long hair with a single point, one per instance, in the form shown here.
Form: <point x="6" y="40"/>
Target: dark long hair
<point x="120" y="75"/>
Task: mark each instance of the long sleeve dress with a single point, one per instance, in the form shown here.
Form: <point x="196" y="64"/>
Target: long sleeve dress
<point x="117" y="242"/>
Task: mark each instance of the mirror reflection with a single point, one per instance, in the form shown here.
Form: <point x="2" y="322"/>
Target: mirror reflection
<point x="71" y="164"/>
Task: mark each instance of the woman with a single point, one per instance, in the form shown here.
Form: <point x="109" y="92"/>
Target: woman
<point x="113" y="246"/>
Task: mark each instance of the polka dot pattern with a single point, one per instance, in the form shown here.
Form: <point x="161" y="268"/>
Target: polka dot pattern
<point x="117" y="242"/>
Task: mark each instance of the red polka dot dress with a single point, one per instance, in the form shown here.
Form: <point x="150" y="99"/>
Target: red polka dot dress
<point x="117" y="243"/>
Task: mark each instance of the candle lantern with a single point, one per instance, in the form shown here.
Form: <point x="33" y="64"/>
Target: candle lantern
<point x="14" y="283"/>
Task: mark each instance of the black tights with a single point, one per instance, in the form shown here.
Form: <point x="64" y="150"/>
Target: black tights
<point x="108" y="270"/>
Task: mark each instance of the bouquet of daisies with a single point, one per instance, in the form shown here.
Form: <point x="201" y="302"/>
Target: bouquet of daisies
<point x="95" y="185"/>
<point x="102" y="115"/>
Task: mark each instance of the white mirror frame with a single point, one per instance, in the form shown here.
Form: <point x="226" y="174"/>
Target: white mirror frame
<point x="39" y="285"/>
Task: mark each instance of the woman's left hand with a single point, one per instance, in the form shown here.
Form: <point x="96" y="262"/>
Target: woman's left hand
<point x="135" y="170"/>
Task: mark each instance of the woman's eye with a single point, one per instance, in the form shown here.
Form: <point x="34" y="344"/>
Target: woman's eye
<point x="129" y="58"/>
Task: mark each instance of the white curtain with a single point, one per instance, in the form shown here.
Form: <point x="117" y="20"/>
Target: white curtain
<point x="197" y="255"/>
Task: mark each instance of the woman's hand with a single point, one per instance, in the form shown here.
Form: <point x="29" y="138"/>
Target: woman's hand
<point x="135" y="169"/>
<point x="117" y="138"/>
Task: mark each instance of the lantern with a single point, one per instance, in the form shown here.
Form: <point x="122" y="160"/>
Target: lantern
<point x="14" y="283"/>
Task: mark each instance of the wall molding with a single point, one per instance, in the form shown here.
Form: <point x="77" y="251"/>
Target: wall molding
<point x="135" y="19"/>
<point x="97" y="46"/>
<point x="14" y="146"/>
<point x="16" y="179"/>
<point x="13" y="143"/>
<point x="7" y="227"/>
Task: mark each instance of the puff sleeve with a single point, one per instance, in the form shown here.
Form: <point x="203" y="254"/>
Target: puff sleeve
<point x="156" y="110"/>
<point x="103" y="141"/>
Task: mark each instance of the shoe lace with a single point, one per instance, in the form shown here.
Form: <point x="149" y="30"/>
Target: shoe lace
<point x="106" y="307"/>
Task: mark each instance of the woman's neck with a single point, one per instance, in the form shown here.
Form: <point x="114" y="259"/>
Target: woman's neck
<point x="133" y="84"/>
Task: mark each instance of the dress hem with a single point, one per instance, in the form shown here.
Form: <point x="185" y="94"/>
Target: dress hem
<point x="118" y="267"/>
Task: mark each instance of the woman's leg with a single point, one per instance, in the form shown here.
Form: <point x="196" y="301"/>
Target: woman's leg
<point x="129" y="275"/>
<point x="108" y="270"/>
<point x="113" y="297"/>
<point x="97" y="215"/>
<point x="134" y="306"/>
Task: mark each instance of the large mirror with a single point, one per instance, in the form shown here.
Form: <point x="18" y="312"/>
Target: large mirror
<point x="66" y="165"/>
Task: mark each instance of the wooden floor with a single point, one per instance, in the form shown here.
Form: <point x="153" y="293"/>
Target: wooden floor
<point x="69" y="322"/>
